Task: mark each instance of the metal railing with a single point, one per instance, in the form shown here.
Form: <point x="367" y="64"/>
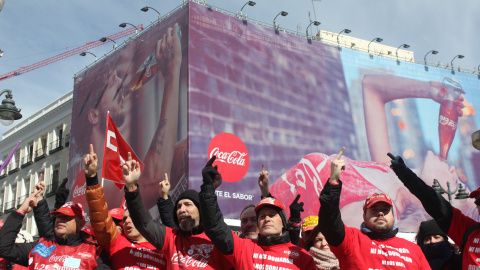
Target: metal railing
<point x="56" y="145"/>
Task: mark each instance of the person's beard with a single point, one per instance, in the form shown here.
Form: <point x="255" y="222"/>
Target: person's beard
<point x="188" y="224"/>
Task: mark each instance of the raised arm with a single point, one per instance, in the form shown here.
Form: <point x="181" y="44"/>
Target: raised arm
<point x="160" y="153"/>
<point x="152" y="231"/>
<point x="102" y="223"/>
<point x="17" y="253"/>
<point x="165" y="204"/>
<point x="329" y="217"/>
<point x="212" y="218"/>
<point x="41" y="212"/>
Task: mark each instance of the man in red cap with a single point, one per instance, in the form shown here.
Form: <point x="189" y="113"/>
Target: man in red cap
<point x="69" y="248"/>
<point x="463" y="230"/>
<point x="375" y="245"/>
<point x="271" y="250"/>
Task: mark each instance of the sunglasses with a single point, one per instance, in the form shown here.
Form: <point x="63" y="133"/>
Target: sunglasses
<point x="477" y="202"/>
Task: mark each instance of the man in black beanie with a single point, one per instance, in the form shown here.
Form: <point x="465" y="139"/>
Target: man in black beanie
<point x="185" y="247"/>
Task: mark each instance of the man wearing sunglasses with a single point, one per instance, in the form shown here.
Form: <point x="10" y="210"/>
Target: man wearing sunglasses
<point x="463" y="230"/>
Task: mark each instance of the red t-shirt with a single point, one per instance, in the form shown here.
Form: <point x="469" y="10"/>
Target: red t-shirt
<point x="125" y="255"/>
<point x="471" y="252"/>
<point x="192" y="252"/>
<point x="358" y="251"/>
<point x="248" y="254"/>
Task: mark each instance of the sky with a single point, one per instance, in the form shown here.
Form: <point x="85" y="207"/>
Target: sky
<point x="33" y="30"/>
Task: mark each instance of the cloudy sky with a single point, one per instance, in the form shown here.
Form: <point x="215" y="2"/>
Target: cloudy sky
<point x="33" y="30"/>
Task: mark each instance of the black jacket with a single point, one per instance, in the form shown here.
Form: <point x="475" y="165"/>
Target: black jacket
<point x="166" y="209"/>
<point x="331" y="224"/>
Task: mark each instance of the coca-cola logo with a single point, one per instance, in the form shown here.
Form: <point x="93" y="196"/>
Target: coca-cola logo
<point x="445" y="121"/>
<point x="197" y="260"/>
<point x="232" y="156"/>
<point x="61" y="258"/>
<point x="79" y="190"/>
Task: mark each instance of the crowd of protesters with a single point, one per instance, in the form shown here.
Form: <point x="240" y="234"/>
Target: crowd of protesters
<point x="193" y="234"/>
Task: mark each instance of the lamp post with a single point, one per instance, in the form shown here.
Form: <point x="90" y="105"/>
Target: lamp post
<point x="316" y="23"/>
<point x="104" y="39"/>
<point x="376" y="40"/>
<point x="145" y="9"/>
<point x="1" y="53"/>
<point x="8" y="111"/>
<point x="346" y="31"/>
<point x="123" y="25"/>
<point x="250" y="3"/>
<point x="476" y="139"/>
<point x="85" y="53"/>
<point x="459" y="57"/>
<point x="425" y="57"/>
<point x="406" y="46"/>
<point x="283" y="13"/>
<point x="462" y="193"/>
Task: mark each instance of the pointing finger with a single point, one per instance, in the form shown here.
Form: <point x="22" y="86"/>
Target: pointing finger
<point x="296" y="199"/>
<point x="339" y="155"/>
<point x="391" y="155"/>
<point x="210" y="162"/>
<point x="129" y="156"/>
<point x="91" y="149"/>
<point x="263" y="168"/>
<point x="166" y="177"/>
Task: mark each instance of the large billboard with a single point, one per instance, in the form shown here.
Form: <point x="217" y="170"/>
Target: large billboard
<point x="143" y="85"/>
<point x="294" y="104"/>
<point x="251" y="95"/>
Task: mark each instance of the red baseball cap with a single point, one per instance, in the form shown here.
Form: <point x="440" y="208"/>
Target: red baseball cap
<point x="70" y="209"/>
<point x="475" y="193"/>
<point x="269" y="201"/>
<point x="117" y="213"/>
<point x="375" y="198"/>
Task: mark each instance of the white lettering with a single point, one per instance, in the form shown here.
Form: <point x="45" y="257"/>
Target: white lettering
<point x="234" y="157"/>
<point x="111" y="134"/>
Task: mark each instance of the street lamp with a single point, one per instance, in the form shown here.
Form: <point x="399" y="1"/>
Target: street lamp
<point x="1" y="53"/>
<point x="376" y="40"/>
<point x="462" y="193"/>
<point x="425" y="57"/>
<point x="283" y="13"/>
<point x="8" y="110"/>
<point x="316" y="23"/>
<point x="145" y="9"/>
<point x="104" y="39"/>
<point x="85" y="53"/>
<point x="250" y="3"/>
<point x="123" y="25"/>
<point x="406" y="46"/>
<point x="476" y="139"/>
<point x="346" y="31"/>
<point x="459" y="57"/>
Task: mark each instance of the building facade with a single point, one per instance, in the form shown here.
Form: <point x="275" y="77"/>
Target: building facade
<point x="43" y="149"/>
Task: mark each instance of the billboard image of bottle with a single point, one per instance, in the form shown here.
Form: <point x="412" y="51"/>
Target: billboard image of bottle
<point x="143" y="85"/>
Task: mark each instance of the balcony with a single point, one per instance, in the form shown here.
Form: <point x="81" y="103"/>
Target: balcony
<point x="26" y="161"/>
<point x="56" y="146"/>
<point x="40" y="153"/>
<point x="3" y="175"/>
<point x="20" y="200"/>
<point x="13" y="167"/>
<point x="9" y="206"/>
<point x="51" y="188"/>
<point x="67" y="140"/>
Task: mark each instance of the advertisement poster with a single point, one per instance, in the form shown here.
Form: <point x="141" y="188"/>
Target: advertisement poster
<point x="294" y="104"/>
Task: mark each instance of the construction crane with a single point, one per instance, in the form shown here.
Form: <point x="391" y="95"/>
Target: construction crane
<point x="69" y="53"/>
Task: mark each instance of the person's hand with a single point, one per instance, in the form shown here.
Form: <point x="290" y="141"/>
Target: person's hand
<point x="209" y="172"/>
<point x="91" y="162"/>
<point x="164" y="188"/>
<point x="438" y="92"/>
<point x="40" y="186"/>
<point x="131" y="173"/>
<point x="32" y="200"/>
<point x="336" y="167"/>
<point x="295" y="209"/>
<point x="263" y="182"/>
<point x="397" y="163"/>
<point x="217" y="181"/>
<point x="169" y="51"/>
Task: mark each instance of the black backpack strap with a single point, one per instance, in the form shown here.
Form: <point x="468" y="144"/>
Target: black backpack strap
<point x="467" y="234"/>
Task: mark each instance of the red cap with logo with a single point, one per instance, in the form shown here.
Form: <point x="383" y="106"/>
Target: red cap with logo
<point x="269" y="201"/>
<point x="375" y="198"/>
<point x="117" y="213"/>
<point x="475" y="193"/>
<point x="70" y="209"/>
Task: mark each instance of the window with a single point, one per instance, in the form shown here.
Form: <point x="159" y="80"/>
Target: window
<point x="30" y="152"/>
<point x="27" y="186"/>
<point x="1" y="200"/>
<point x="4" y="171"/>
<point x="14" y="194"/>
<point x="52" y="186"/>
